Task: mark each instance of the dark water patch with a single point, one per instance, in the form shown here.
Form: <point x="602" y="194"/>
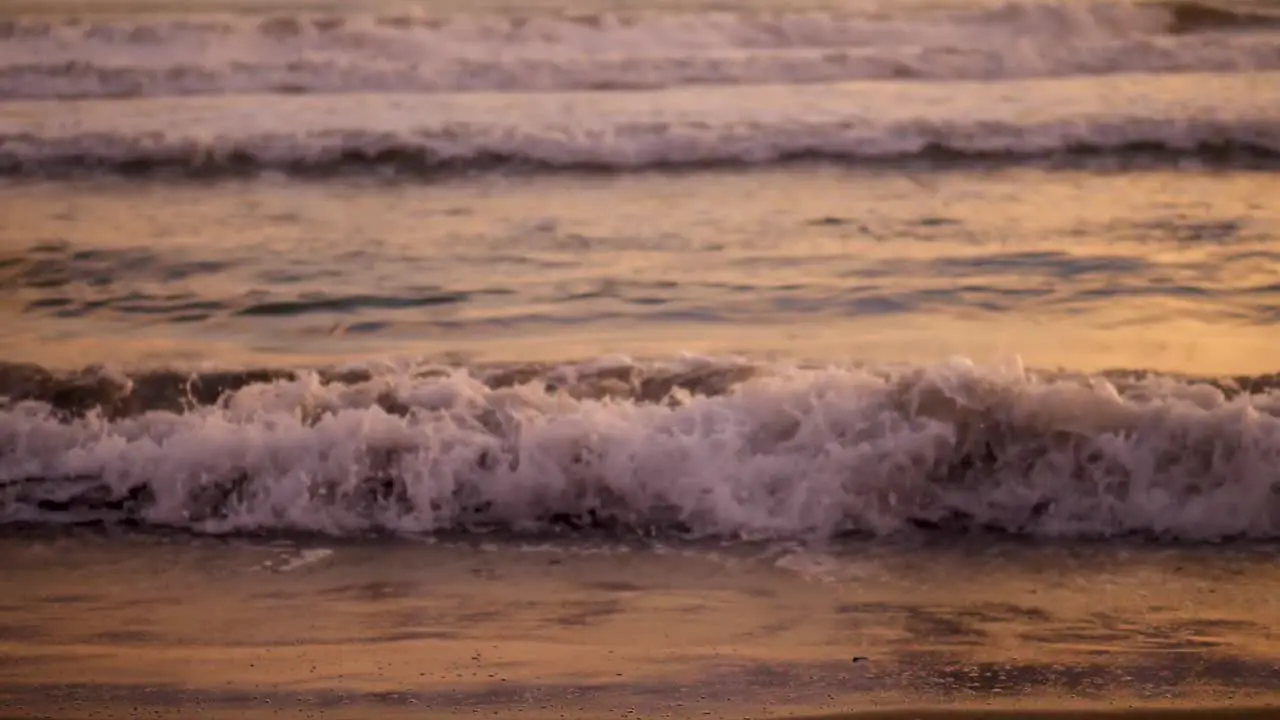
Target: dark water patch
<point x="69" y="598"/>
<point x="1187" y="16"/>
<point x="1217" y="232"/>
<point x="580" y="613"/>
<point x="989" y="299"/>
<point x="943" y="629"/>
<point x="943" y="624"/>
<point x="328" y="24"/>
<point x="1072" y="635"/>
<point x="188" y="318"/>
<point x="1173" y="634"/>
<point x="177" y="271"/>
<point x="21" y="632"/>
<point x="415" y="636"/>
<point x="290" y="275"/>
<point x="350" y="303"/>
<point x="126" y="637"/>
<point x="1253" y="256"/>
<point x="351" y="154"/>
<point x="152" y="601"/>
<point x="51" y="303"/>
<point x="178" y="304"/>
<point x="1006" y="612"/>
<point x="1211" y="626"/>
<point x="51" y="246"/>
<point x="830" y="221"/>
<point x="365" y="328"/>
<point x="1183" y="231"/>
<point x="1265" y="289"/>
<point x="80" y="309"/>
<point x="477" y="617"/>
<point x="865" y="304"/>
<point x="1048" y="262"/>
<point x="614" y="586"/>
<point x="937" y="222"/>
<point x="376" y="590"/>
<point x="281" y="27"/>
<point x="49" y="266"/>
<point x="1122" y="640"/>
<point x="1090" y="295"/>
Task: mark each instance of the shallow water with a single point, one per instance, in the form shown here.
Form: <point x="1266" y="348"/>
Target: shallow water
<point x="1165" y="269"/>
<point x="557" y="628"/>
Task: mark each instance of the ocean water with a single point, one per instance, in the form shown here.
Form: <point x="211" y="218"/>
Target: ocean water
<point x="680" y="269"/>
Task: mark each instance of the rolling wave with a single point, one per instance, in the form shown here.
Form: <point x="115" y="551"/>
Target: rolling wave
<point x="85" y="58"/>
<point x="642" y="146"/>
<point x="696" y="447"/>
<point x="1220" y="118"/>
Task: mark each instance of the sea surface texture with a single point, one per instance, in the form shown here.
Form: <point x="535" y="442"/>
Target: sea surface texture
<point x="776" y="269"/>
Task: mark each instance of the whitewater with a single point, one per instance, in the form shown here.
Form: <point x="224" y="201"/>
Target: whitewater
<point x="695" y="449"/>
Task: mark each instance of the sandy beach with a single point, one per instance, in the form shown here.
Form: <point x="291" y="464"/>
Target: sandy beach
<point x="164" y="626"/>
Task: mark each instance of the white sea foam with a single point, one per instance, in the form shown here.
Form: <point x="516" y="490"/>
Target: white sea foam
<point x="790" y="452"/>
<point x="303" y="558"/>
<point x="213" y="55"/>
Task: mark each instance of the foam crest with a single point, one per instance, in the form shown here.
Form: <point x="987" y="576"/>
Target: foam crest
<point x="317" y="54"/>
<point x="95" y="78"/>
<point x="771" y="452"/>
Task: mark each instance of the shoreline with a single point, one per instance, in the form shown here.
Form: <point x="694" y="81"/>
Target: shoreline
<point x="171" y="626"/>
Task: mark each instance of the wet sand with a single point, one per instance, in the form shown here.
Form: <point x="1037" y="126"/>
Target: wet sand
<point x="132" y="625"/>
<point x="1150" y="713"/>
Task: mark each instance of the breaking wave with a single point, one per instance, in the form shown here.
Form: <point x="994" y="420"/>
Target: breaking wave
<point x="694" y="447"/>
<point x="1210" y="117"/>
<point x="104" y="57"/>
<point x="641" y="146"/>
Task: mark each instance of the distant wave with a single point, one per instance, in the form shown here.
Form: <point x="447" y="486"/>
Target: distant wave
<point x="640" y="146"/>
<point x="696" y="447"/>
<point x="83" y="58"/>
<point x="88" y="78"/>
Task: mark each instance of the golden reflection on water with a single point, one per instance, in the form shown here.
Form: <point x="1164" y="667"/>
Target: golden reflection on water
<point x="1170" y="270"/>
